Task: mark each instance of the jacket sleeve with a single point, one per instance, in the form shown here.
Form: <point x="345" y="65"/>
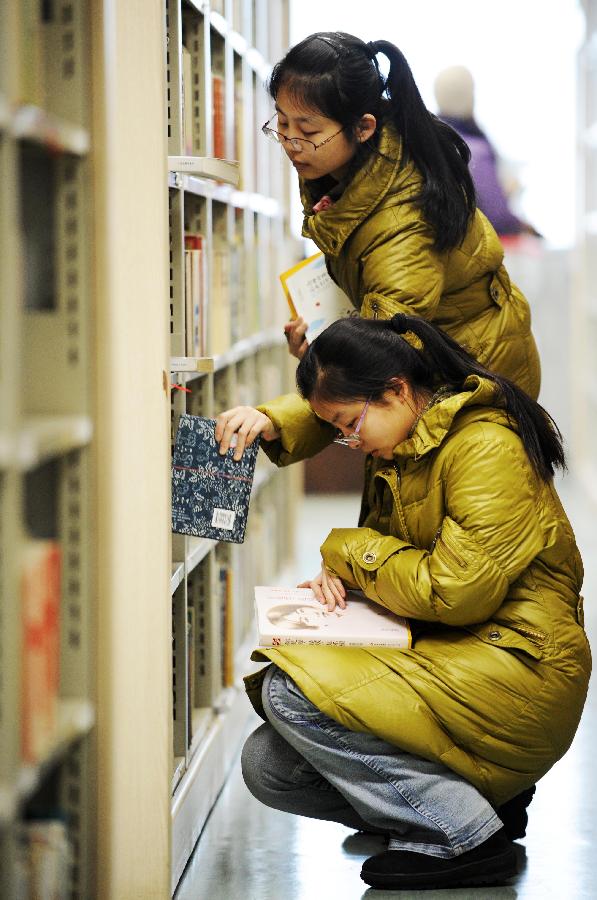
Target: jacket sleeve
<point x="488" y="537"/>
<point x="401" y="272"/>
<point x="302" y="433"/>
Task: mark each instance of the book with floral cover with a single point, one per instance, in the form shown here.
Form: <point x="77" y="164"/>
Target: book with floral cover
<point x="210" y="492"/>
<point x="294" y="616"/>
<point x="314" y="296"/>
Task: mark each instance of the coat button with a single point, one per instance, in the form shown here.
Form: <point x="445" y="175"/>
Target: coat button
<point x="495" y="293"/>
<point x="369" y="557"/>
<point x="495" y="635"/>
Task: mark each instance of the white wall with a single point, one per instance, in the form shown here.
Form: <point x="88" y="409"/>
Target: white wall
<point x="522" y="54"/>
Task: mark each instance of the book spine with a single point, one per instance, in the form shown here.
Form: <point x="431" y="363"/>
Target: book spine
<point x="284" y="641"/>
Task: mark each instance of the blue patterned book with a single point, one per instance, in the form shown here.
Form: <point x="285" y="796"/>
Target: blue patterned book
<point x="210" y="493"/>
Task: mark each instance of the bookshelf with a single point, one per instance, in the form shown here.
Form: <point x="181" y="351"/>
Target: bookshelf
<point x="109" y="251"/>
<point x="47" y="699"/>
<point x="584" y="306"/>
<point x="216" y="65"/>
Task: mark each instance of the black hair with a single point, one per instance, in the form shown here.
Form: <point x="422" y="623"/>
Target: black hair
<point x="358" y="359"/>
<point x="337" y="74"/>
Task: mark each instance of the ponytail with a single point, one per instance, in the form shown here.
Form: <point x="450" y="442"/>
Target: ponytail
<point x="357" y="358"/>
<point x="437" y="150"/>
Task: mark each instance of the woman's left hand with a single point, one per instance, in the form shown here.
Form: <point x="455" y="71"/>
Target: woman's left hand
<point x="328" y="589"/>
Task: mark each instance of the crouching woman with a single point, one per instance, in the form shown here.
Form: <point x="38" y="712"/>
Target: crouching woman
<point x="462" y="532"/>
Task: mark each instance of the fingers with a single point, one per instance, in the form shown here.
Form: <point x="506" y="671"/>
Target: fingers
<point x="328" y="589"/>
<point x="295" y="332"/>
<point x="238" y="428"/>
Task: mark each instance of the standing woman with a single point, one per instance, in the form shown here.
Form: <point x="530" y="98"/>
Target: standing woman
<point x="389" y="199"/>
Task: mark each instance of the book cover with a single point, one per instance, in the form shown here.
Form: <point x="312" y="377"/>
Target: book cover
<point x="312" y="294"/>
<point x="210" y="492"/>
<point x="294" y="616"/>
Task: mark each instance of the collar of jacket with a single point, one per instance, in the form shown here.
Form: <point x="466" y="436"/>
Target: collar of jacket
<point x="434" y="425"/>
<point x="331" y="228"/>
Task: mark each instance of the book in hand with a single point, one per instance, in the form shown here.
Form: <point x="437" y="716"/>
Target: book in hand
<point x="210" y="492"/>
<point x="294" y="616"/>
<point x="314" y="296"/>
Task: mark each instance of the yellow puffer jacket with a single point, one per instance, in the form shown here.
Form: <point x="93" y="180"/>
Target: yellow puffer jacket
<point x="380" y="251"/>
<point x="464" y="539"/>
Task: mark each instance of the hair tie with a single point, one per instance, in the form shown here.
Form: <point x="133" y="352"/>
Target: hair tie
<point x="413" y="339"/>
<point x="372" y="51"/>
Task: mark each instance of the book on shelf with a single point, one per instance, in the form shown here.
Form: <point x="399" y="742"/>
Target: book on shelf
<point x="220" y="324"/>
<point x="218" y="90"/>
<point x="312" y="294"/>
<point x="44" y="859"/>
<point x="195" y="292"/>
<point x="295" y="616"/>
<point x="210" y="491"/>
<point x="40" y="599"/>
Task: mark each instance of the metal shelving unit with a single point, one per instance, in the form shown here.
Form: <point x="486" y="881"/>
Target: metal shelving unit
<point x="244" y="232"/>
<point x="46" y="428"/>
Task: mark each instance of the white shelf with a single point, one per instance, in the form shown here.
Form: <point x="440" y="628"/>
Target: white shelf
<point x="224" y="193"/>
<point x="219" y="23"/>
<point x="198" y="550"/>
<point x="43" y="437"/>
<point x="208" y="167"/>
<point x="35" y="124"/>
<point x="178" y="772"/>
<point x="247" y="347"/>
<point x="177" y="575"/>
<point x="76" y="718"/>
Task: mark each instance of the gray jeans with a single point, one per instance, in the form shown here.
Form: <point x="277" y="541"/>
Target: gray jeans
<point x="303" y="762"/>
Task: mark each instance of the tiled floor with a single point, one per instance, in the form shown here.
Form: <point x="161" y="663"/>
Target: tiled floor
<point x="249" y="852"/>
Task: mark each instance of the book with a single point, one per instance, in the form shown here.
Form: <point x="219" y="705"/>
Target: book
<point x="210" y="492"/>
<point x="40" y="590"/>
<point x="294" y="616"/>
<point x="218" y="115"/>
<point x="187" y="101"/>
<point x="195" y="292"/>
<point x="314" y="296"/>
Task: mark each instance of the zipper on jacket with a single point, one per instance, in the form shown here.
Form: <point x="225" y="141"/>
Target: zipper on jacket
<point x="449" y="552"/>
<point x="375" y="309"/>
<point x="406" y="536"/>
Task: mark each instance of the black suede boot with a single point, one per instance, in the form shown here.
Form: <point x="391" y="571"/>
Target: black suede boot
<point x="514" y="814"/>
<point x="491" y="863"/>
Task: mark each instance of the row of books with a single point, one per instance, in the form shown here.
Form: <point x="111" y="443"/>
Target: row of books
<point x="191" y="111"/>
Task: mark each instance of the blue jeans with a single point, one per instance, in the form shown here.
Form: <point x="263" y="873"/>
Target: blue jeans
<point x="307" y="763"/>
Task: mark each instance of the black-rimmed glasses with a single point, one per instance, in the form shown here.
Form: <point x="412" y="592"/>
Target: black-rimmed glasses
<point x="295" y="142"/>
<point x="354" y="439"/>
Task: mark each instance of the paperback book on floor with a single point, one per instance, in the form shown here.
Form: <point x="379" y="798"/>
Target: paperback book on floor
<point x="295" y="616"/>
<point x="210" y="492"/>
<point x="312" y="294"/>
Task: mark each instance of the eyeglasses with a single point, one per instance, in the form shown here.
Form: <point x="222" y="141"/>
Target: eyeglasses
<point x="295" y="143"/>
<point x="354" y="439"/>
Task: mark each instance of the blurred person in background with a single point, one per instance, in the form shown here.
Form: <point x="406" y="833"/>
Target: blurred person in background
<point x="455" y="96"/>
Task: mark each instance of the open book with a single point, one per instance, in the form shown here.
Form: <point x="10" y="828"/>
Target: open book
<point x="294" y="616"/>
<point x="210" y="493"/>
<point x="312" y="294"/>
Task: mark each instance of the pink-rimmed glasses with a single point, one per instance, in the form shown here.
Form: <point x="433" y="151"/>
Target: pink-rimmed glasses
<point x="354" y="439"/>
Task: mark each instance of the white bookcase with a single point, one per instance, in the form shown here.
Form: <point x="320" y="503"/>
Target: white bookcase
<point x="46" y="435"/>
<point x="153" y="630"/>
<point x="217" y="61"/>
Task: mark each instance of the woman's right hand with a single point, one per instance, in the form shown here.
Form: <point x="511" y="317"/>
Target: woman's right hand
<point x="295" y="331"/>
<point x="246" y="423"/>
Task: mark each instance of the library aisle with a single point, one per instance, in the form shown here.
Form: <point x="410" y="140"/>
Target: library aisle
<point x="250" y="852"/>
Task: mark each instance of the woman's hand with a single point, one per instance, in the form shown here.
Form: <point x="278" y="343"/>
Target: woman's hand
<point x="295" y="331"/>
<point x="246" y="423"/>
<point x="328" y="589"/>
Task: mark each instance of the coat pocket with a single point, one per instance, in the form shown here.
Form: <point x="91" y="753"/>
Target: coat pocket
<point x="508" y="639"/>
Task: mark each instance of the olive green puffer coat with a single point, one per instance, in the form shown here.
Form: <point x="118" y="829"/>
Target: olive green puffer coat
<point x="380" y="251"/>
<point x="463" y="538"/>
